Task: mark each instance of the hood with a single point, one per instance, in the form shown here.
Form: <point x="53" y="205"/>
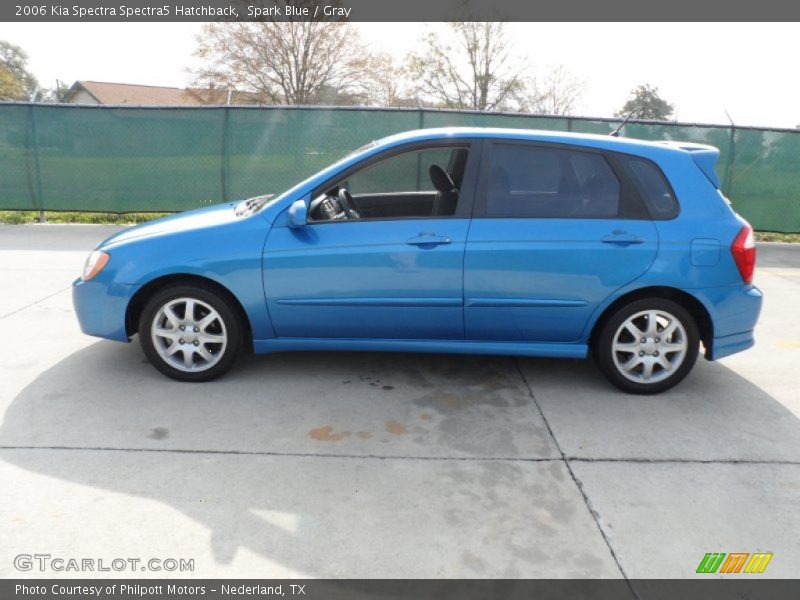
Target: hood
<point x="201" y="218"/>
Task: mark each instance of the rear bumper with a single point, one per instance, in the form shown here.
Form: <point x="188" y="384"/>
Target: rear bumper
<point x="731" y="344"/>
<point x="101" y="308"/>
<point x="734" y="315"/>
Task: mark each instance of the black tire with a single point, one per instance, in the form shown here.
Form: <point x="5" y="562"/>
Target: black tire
<point x="604" y="355"/>
<point x="229" y="326"/>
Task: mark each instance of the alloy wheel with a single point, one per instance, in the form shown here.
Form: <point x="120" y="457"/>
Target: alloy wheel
<point x="649" y="346"/>
<point x="189" y="334"/>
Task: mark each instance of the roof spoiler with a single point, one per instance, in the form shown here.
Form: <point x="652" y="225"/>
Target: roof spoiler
<point x="705" y="157"/>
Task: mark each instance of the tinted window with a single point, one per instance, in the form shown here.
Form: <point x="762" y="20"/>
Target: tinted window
<point x="541" y="182"/>
<point x="407" y="172"/>
<point x="653" y="187"/>
<point x="401" y="184"/>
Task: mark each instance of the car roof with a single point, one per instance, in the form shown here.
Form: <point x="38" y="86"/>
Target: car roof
<point x="589" y="140"/>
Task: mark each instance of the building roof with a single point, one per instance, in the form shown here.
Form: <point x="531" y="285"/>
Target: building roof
<point x="152" y="95"/>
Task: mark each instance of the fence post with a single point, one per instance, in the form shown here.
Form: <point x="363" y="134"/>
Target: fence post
<point x="224" y="154"/>
<point x="727" y="177"/>
<point x="36" y="166"/>
<point x="569" y="123"/>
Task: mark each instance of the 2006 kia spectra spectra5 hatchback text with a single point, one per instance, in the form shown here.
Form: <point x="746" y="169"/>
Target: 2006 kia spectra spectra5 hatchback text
<point x="466" y="240"/>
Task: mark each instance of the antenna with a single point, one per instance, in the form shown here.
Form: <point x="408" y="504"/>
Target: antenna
<point x="727" y="114"/>
<point x="615" y="133"/>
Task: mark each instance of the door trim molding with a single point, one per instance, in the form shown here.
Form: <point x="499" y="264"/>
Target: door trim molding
<point x="415" y="302"/>
<point x="522" y="302"/>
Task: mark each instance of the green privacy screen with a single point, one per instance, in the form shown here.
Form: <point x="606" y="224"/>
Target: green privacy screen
<point x="125" y="159"/>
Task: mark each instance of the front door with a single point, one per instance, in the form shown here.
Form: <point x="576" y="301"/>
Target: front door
<point x="394" y="273"/>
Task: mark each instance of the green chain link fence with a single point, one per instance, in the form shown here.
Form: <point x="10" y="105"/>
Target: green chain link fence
<point x="127" y="159"/>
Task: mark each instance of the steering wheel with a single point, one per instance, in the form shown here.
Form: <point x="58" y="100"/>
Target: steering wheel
<point x="349" y="204"/>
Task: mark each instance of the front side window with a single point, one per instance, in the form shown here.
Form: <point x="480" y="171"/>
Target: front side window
<point x="527" y="181"/>
<point x="413" y="184"/>
<point x="403" y="173"/>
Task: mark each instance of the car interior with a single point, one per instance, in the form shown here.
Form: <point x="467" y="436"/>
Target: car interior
<point x="420" y="183"/>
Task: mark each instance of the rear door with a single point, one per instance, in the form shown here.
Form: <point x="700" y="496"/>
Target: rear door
<point x="556" y="230"/>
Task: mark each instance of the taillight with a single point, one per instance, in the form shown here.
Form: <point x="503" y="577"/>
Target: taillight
<point x="744" y="253"/>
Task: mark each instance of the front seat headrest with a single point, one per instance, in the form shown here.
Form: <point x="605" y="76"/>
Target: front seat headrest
<point x="440" y="179"/>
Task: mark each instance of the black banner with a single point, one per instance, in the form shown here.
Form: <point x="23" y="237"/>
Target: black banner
<point x="400" y="11"/>
<point x="742" y="588"/>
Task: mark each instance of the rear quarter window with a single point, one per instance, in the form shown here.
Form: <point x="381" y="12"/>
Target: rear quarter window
<point x="653" y="187"/>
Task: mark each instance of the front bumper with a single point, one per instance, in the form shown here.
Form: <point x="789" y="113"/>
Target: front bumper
<point x="101" y="308"/>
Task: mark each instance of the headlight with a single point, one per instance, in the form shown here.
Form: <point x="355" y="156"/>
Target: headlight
<point x="94" y="264"/>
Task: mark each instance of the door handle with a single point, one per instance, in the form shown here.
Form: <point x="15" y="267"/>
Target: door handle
<point x="622" y="239"/>
<point x="428" y="239"/>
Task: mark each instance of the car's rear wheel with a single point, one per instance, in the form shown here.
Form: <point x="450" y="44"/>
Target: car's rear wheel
<point x="647" y="346"/>
<point x="190" y="332"/>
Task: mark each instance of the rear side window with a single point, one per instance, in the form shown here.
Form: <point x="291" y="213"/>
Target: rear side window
<point x="527" y="181"/>
<point x="653" y="187"/>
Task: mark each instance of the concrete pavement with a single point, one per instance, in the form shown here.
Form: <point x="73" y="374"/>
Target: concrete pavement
<point x="384" y="465"/>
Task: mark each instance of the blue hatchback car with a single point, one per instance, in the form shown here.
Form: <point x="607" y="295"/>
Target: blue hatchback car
<point x="462" y="240"/>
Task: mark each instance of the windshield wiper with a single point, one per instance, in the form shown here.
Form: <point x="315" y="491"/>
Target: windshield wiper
<point x="252" y="205"/>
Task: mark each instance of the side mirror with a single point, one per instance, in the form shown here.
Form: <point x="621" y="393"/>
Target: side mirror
<point x="297" y="217"/>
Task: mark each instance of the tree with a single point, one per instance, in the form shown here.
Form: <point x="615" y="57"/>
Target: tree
<point x="470" y="65"/>
<point x="285" y="62"/>
<point x="645" y="103"/>
<point x="56" y="94"/>
<point x="557" y="93"/>
<point x="387" y="82"/>
<point x="16" y="82"/>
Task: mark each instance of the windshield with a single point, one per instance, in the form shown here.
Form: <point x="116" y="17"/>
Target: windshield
<point x="257" y="203"/>
<point x="365" y="149"/>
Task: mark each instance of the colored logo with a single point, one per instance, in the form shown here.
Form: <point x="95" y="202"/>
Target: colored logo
<point x="735" y="562"/>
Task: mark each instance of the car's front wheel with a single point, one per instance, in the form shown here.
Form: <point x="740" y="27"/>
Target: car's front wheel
<point x="190" y="332"/>
<point x="647" y="346"/>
